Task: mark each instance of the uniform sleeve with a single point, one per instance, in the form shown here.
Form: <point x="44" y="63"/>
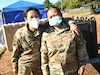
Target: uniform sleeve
<point x="15" y="53"/>
<point x="82" y="54"/>
<point x="44" y="56"/>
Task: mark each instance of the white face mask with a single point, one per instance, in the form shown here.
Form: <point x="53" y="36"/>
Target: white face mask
<point x="34" y="23"/>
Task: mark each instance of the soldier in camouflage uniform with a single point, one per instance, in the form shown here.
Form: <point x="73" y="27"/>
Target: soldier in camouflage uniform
<point x="26" y="44"/>
<point x="62" y="52"/>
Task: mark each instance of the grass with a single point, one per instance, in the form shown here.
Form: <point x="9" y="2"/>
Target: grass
<point x="82" y="11"/>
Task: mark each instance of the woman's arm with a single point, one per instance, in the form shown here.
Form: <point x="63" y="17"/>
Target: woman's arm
<point x="15" y="54"/>
<point x="44" y="56"/>
<point x="74" y="28"/>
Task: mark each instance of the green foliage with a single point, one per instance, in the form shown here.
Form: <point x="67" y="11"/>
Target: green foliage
<point x="70" y="4"/>
<point x="47" y="3"/>
<point x="58" y="4"/>
<point x="73" y="4"/>
<point x="93" y="6"/>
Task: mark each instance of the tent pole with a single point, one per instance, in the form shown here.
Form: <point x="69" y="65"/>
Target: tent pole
<point x="3" y="18"/>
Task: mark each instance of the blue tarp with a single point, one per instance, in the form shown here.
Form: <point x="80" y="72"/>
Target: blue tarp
<point x="14" y="13"/>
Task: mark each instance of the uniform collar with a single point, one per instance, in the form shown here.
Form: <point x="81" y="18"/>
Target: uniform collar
<point x="33" y="33"/>
<point x="63" y="28"/>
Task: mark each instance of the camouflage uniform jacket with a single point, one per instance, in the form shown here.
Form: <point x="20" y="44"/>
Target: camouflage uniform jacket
<point x="61" y="51"/>
<point x="26" y="45"/>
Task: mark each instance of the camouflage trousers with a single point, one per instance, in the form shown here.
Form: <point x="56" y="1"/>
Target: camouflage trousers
<point x="29" y="69"/>
<point x="58" y="69"/>
<point x="71" y="73"/>
<point x="63" y="73"/>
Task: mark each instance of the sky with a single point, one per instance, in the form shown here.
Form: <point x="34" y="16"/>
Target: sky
<point x="5" y="3"/>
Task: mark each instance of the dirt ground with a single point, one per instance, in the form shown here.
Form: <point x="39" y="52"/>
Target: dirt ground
<point x="5" y="64"/>
<point x="91" y="69"/>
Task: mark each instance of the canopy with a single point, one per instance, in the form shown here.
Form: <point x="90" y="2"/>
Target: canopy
<point x="14" y="12"/>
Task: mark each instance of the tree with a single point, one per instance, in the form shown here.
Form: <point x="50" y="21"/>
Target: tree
<point x="70" y="4"/>
<point x="47" y="3"/>
<point x="58" y="4"/>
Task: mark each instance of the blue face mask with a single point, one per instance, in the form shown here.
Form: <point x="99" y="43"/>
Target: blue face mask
<point x="55" y="21"/>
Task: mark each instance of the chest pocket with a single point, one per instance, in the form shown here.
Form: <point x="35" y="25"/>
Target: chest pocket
<point x="30" y="42"/>
<point x="60" y="42"/>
